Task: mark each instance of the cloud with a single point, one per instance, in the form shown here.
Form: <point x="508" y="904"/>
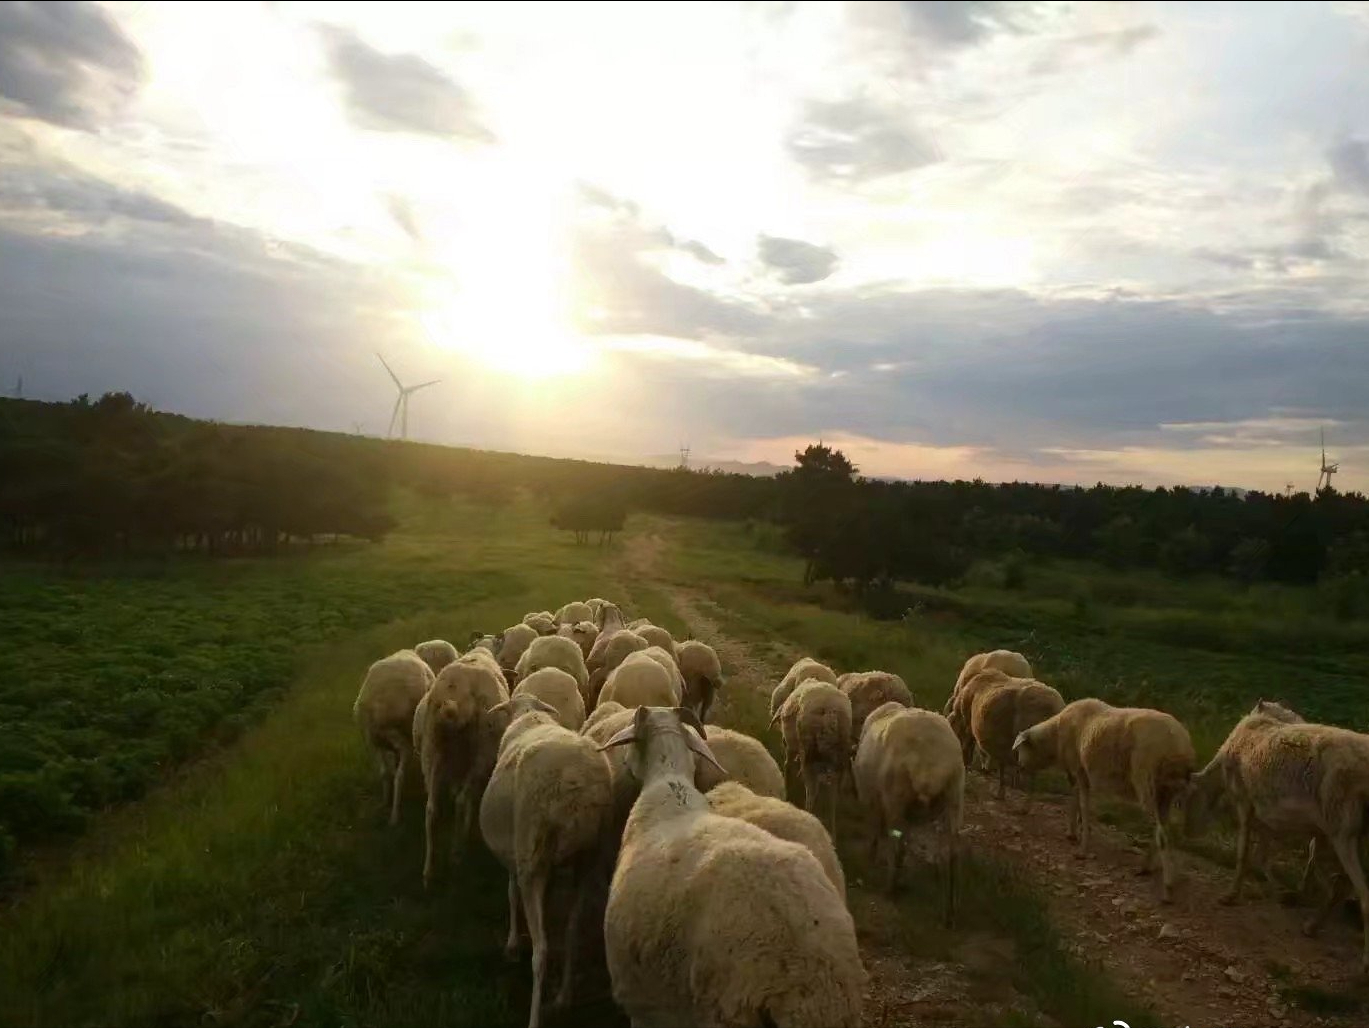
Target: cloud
<point x="1072" y="51"/>
<point x="1349" y="161"/>
<point x="621" y="290"/>
<point x="400" y="92"/>
<point x="402" y="213"/>
<point x="956" y="23"/>
<point x="854" y="140"/>
<point x="796" y="262"/>
<point x="73" y="199"/>
<point x="65" y="63"/>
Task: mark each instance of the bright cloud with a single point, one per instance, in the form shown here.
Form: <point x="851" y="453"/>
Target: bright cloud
<point x="1064" y="242"/>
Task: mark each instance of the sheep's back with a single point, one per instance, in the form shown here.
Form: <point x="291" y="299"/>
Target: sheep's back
<point x="675" y="936"/>
<point x="782" y="820"/>
<point x="744" y="759"/>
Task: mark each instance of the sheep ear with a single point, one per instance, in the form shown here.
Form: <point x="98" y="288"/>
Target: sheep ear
<point x="543" y="706"/>
<point x="625" y="737"/>
<point x="701" y="748"/>
<point x="499" y="708"/>
<point x="1019" y="741"/>
<point x="690" y="717"/>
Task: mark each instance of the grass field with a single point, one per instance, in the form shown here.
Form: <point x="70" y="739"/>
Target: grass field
<point x="258" y="885"/>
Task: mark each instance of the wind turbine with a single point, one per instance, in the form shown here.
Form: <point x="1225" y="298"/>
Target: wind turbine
<point x="1327" y="470"/>
<point x="401" y="410"/>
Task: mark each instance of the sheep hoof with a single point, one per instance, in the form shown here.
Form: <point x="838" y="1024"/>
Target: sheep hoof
<point x="1081" y="855"/>
<point x="1310" y="928"/>
<point x="1144" y="872"/>
<point x="1228" y="899"/>
<point x="511" y="952"/>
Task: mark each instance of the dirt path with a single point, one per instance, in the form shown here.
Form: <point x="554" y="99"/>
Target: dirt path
<point x="1194" y="961"/>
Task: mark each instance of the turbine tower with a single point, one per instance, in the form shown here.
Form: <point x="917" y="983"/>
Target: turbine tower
<point x="401" y="410"/>
<point x="1327" y="470"/>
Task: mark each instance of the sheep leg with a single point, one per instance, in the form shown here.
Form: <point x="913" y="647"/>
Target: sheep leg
<point x="877" y="830"/>
<point x="398" y="789"/>
<point x="573" y="932"/>
<point x="1084" y="812"/>
<point x="898" y="852"/>
<point x="429" y="837"/>
<point x="810" y="788"/>
<point x="1346" y="845"/>
<point x="511" y="946"/>
<point x="1243" y="819"/>
<point x="1165" y="853"/>
<point x="952" y="846"/>
<point x="1336" y="895"/>
<point x="833" y="787"/>
<point x="1072" y="832"/>
<point x="534" y="893"/>
<point x="1308" y="867"/>
<point x="383" y="761"/>
<point x="1002" y="776"/>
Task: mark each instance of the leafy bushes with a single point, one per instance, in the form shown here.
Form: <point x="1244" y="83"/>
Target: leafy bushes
<point x="105" y="682"/>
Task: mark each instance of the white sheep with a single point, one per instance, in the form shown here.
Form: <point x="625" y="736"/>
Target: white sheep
<point x="1001" y="713"/>
<point x="907" y="770"/>
<point x="450" y="743"/>
<point x="1010" y="662"/>
<point x="617" y="649"/>
<point x="639" y="681"/>
<point x="871" y="689"/>
<point x="655" y="635"/>
<point x="666" y="658"/>
<point x="711" y="920"/>
<point x="816" y="723"/>
<point x="782" y="820"/>
<point x="803" y="669"/>
<point x="609" y="618"/>
<point x="541" y="622"/>
<point x="745" y="760"/>
<point x="554" y="651"/>
<point x="584" y="633"/>
<point x="606" y="721"/>
<point x="558" y="690"/>
<point x="1139" y="754"/>
<point x="1289" y="777"/>
<point x="384" y="711"/>
<point x="596" y="604"/>
<point x="546" y="808"/>
<point x="702" y="673"/>
<point x="514" y="641"/>
<point x="637" y="623"/>
<point x="573" y="613"/>
<point x="437" y="653"/>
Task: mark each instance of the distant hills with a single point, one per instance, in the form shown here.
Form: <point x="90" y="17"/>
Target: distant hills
<point x="757" y="469"/>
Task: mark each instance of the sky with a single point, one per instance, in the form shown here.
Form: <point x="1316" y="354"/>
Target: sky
<point x="1034" y="241"/>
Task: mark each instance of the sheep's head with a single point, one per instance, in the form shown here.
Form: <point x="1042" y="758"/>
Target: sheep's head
<point x="1277" y="711"/>
<point x="662" y="726"/>
<point x="496" y="721"/>
<point x="1200" y="800"/>
<point x="1031" y="750"/>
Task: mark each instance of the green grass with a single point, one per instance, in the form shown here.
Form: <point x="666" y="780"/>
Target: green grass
<point x="262" y="885"/>
<point x="259" y="885"/>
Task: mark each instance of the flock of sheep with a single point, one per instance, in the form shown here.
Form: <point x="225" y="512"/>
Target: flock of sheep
<point x="723" y="904"/>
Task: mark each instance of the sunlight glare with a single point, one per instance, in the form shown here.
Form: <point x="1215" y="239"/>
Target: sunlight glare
<point x="502" y="292"/>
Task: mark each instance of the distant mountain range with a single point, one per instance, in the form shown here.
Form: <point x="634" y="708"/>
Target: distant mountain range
<point x="760" y="469"/>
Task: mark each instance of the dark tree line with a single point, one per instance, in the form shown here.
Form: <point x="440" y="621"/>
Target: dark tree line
<point x="866" y="532"/>
<point x="112" y="476"/>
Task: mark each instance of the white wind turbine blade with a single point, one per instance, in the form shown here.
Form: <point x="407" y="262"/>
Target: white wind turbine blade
<point x="422" y="385"/>
<point x="391" y="372"/>
<point x="389" y="432"/>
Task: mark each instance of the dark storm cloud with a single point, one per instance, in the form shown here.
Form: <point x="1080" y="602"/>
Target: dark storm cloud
<point x="66" y="63"/>
<point x="796" y="262"/>
<point x="855" y="140"/>
<point x="400" y="92"/>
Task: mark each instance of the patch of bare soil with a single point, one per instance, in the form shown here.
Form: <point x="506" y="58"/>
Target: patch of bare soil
<point x="1194" y="961"/>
